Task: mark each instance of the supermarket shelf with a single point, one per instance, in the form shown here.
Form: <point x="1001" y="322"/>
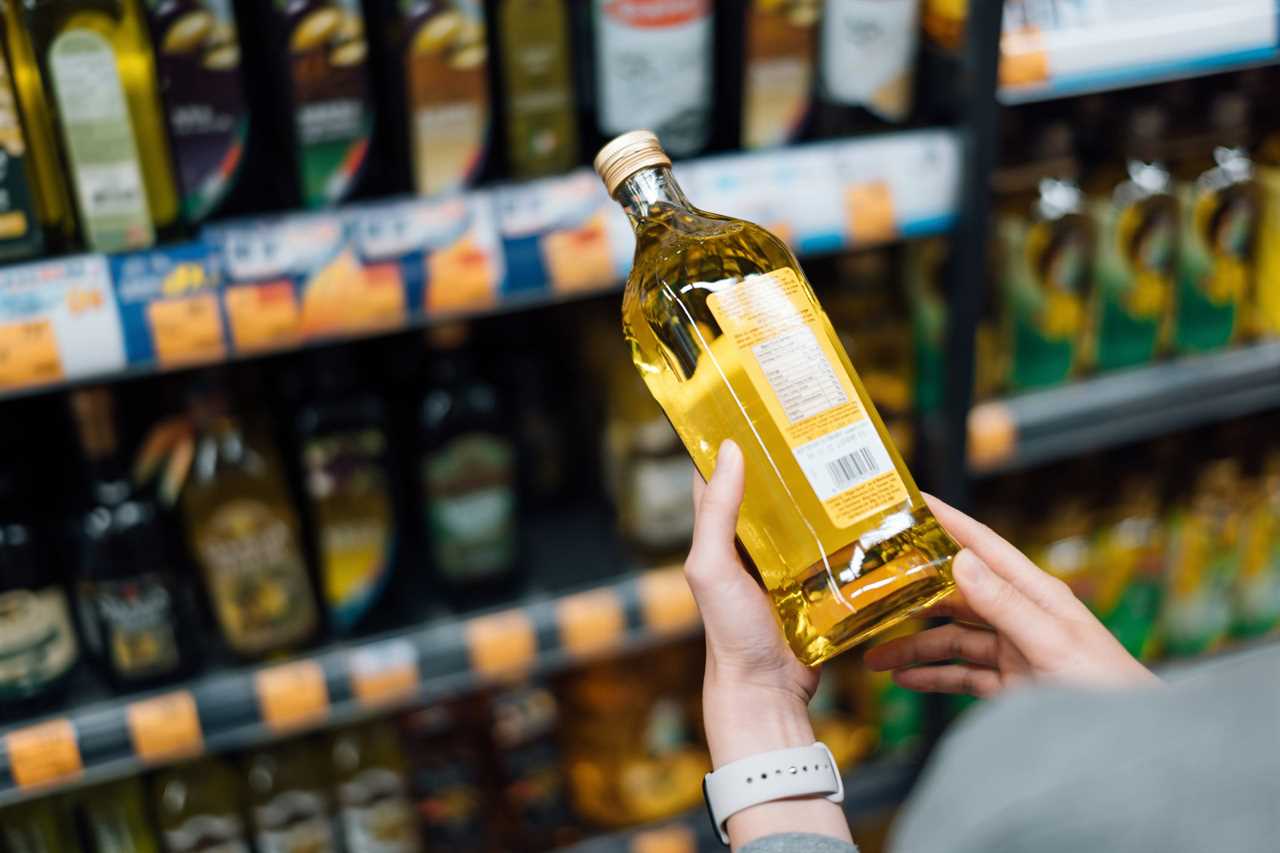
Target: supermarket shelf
<point x="1107" y="411"/>
<point x="238" y="708"/>
<point x="278" y="283"/>
<point x="1117" y="45"/>
<point x="868" y="789"/>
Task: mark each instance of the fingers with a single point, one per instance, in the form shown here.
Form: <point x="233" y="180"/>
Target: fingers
<point x="1001" y="605"/>
<point x="716" y="518"/>
<point x="952" y="607"/>
<point x="950" y="642"/>
<point x="1003" y="558"/>
<point x="951" y="678"/>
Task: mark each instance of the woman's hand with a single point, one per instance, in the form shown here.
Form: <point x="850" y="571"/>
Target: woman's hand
<point x="1013" y="623"/>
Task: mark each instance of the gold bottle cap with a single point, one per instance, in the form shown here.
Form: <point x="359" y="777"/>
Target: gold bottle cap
<point x="628" y="154"/>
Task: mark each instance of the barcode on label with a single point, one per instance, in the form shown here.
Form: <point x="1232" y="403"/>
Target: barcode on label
<point x="842" y="459"/>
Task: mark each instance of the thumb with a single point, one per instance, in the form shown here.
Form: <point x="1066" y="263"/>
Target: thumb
<point x="999" y="603"/>
<point x="716" y="515"/>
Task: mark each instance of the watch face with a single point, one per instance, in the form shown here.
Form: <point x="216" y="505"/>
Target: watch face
<point x="706" y="801"/>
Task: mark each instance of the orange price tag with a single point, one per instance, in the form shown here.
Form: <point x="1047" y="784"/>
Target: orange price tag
<point x="44" y="753"/>
<point x="503" y="644"/>
<point x="580" y="260"/>
<point x="666" y="601"/>
<point x="29" y="354"/>
<point x="993" y="435"/>
<point x="384" y="672"/>
<point x="291" y="695"/>
<point x="380" y="301"/>
<point x="263" y="316"/>
<point x="590" y="622"/>
<point x="187" y="330"/>
<point x="1023" y="59"/>
<point x="461" y="277"/>
<point x="676" y="838"/>
<point x="869" y="212"/>
<point x="165" y="727"/>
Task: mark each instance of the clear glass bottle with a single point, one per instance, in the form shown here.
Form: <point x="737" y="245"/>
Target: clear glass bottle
<point x="198" y="807"/>
<point x="732" y="342"/>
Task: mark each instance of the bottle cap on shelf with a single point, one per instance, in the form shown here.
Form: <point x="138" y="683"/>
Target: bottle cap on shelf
<point x="628" y="154"/>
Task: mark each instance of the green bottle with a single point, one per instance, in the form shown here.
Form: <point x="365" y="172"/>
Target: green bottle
<point x="542" y="129"/>
<point x="115" y="819"/>
<point x="33" y="828"/>
<point x="198" y="808"/>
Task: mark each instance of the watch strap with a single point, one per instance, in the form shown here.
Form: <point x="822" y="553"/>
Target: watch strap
<point x="801" y="771"/>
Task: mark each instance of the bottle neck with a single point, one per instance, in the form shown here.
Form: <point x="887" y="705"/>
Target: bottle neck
<point x="643" y="194"/>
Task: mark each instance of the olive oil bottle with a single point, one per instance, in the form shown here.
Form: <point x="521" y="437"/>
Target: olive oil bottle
<point x="198" y="807"/>
<point x="96" y="60"/>
<point x="732" y="342"/>
<point x="538" y="92"/>
<point x="779" y="47"/>
<point x="115" y="819"/>
<point x="34" y="827"/>
<point x="289" y="802"/>
<point x="866" y="72"/>
<point x="371" y="787"/>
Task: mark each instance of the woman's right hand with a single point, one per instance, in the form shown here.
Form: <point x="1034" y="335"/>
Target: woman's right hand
<point x="1011" y="623"/>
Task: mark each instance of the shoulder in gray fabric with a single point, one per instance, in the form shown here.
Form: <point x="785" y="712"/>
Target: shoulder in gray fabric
<point x="797" y="842"/>
<point x="1189" y="768"/>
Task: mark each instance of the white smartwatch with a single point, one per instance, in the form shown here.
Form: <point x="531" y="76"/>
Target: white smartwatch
<point x="803" y="771"/>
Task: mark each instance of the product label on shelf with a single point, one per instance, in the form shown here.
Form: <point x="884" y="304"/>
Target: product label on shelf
<point x="654" y="69"/>
<point x="207" y="833"/>
<point x="778" y="72"/>
<point x="354" y="519"/>
<point x="537" y="73"/>
<point x="37" y="642"/>
<point x="470" y="489"/>
<point x="58" y="320"/>
<point x="19" y="221"/>
<point x="333" y="116"/>
<point x="868" y="54"/>
<point x="130" y="624"/>
<point x="198" y="65"/>
<point x="448" y="92"/>
<point x="165" y="727"/>
<point x="295" y="822"/>
<point x="100" y="143"/>
<point x="169" y="305"/>
<point x="795" y="368"/>
<point x="376" y="815"/>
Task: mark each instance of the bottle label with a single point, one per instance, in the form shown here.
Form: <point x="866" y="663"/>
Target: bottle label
<point x="332" y="115"/>
<point x="654" y="63"/>
<point x="256" y="576"/>
<point x="130" y="623"/>
<point x="1215" y="270"/>
<point x="347" y="483"/>
<point x="661" y="499"/>
<point x="198" y="63"/>
<point x="100" y="143"/>
<point x="470" y="488"/>
<point x="778" y="73"/>
<point x="295" y="822"/>
<point x="18" y="217"/>
<point x="37" y="642"/>
<point x="780" y="335"/>
<point x="541" y="127"/>
<point x="376" y="815"/>
<point x="868" y="54"/>
<point x="207" y="834"/>
<point x="448" y="92"/>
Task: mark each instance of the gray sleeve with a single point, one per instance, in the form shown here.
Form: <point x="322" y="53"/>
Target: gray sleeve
<point x="798" y="842"/>
<point x="1184" y="769"/>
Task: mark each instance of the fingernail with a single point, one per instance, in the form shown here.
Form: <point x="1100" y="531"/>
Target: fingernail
<point x="729" y="455"/>
<point x="970" y="572"/>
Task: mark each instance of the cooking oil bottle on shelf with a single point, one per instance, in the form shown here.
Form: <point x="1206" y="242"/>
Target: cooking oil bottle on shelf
<point x="779" y="49"/>
<point x="731" y="341"/>
<point x="541" y="123"/>
<point x="97" y="64"/>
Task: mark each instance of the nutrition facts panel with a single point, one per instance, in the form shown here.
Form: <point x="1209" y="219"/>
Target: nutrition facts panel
<point x="800" y="374"/>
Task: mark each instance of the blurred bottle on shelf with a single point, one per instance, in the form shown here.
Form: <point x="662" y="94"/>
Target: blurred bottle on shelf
<point x="130" y="593"/>
<point x="896" y="713"/>
<point x="539" y="102"/>
<point x="244" y="535"/>
<point x="779" y="47"/>
<point x="531" y="775"/>
<point x="1220" y="204"/>
<point x="943" y="23"/>
<point x="1135" y="216"/>
<point x="867" y="63"/>
<point x="544" y="428"/>
<point x="370" y="782"/>
<point x="631" y="734"/>
<point x="198" y="62"/>
<point x="97" y="65"/>
<point x="654" y="64"/>
<point x="289" y="801"/>
<point x="1265" y="300"/>
<point x="1046" y="249"/>
<point x="837" y="721"/>
<point x="351" y="509"/>
<point x="35" y="827"/>
<point x="1257" y="590"/>
<point x="1061" y="541"/>
<point x="446" y="778"/>
<point x="468" y="474"/>
<point x="34" y="180"/>
<point x="199" y="807"/>
<point x="114" y="819"/>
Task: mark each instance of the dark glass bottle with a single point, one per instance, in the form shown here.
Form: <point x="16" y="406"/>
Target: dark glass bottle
<point x="867" y="63"/>
<point x="467" y="475"/>
<point x="128" y="587"/>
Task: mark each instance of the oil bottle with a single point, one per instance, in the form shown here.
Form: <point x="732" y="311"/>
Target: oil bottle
<point x="96" y="61"/>
<point x="35" y="827"/>
<point x="779" y="47"/>
<point x="115" y="819"/>
<point x="866" y="72"/>
<point x="1257" y="591"/>
<point x="655" y="68"/>
<point x="369" y="774"/>
<point x="1265" y="299"/>
<point x="198" y="806"/>
<point x="539" y="101"/>
<point x="732" y="342"/>
<point x="289" y="799"/>
<point x="198" y="61"/>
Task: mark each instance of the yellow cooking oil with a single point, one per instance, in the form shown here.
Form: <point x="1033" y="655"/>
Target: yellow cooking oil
<point x="731" y="341"/>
